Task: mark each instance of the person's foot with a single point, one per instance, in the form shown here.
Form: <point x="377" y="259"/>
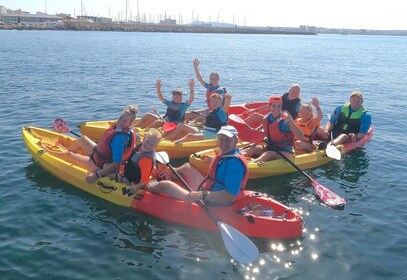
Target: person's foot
<point x="322" y="146"/>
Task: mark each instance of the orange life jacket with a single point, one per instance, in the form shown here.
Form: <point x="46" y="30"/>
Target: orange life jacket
<point x="210" y="179"/>
<point x="307" y="127"/>
<point x="274" y="134"/>
<point x="102" y="152"/>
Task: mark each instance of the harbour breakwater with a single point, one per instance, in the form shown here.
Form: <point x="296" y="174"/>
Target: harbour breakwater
<point x="150" y="27"/>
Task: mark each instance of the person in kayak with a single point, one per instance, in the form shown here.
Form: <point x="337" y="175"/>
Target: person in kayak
<point x="349" y="122"/>
<point x="217" y="118"/>
<point x="137" y="169"/>
<point x="104" y="158"/>
<point x="280" y="129"/>
<point x="292" y="100"/>
<point x="227" y="178"/>
<point x="211" y="87"/>
<point x="310" y="126"/>
<point x="176" y="108"/>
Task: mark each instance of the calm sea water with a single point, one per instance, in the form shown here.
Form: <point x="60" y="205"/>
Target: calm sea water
<point x="51" y="230"/>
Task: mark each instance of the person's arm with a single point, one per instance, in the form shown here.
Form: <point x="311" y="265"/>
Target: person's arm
<point x="365" y="123"/>
<point x="228" y="99"/>
<point x="334" y="118"/>
<point x="159" y="85"/>
<point x="315" y="102"/>
<point x="191" y="84"/>
<point x="198" y="75"/>
<point x="293" y="127"/>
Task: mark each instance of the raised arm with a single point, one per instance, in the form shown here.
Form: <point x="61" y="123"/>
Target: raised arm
<point x="198" y="75"/>
<point x="228" y="99"/>
<point x="191" y="84"/>
<point x="159" y="85"/>
<point x="315" y="102"/>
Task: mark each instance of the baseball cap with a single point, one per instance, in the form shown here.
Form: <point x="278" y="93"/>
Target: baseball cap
<point x="275" y="99"/>
<point x="228" y="130"/>
<point x="358" y="94"/>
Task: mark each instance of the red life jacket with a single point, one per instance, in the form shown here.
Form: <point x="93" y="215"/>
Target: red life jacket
<point x="274" y="134"/>
<point x="103" y="154"/>
<point x="210" y="179"/>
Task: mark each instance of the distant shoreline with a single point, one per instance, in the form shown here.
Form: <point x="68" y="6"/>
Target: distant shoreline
<point x="143" y="27"/>
<point x="150" y="27"/>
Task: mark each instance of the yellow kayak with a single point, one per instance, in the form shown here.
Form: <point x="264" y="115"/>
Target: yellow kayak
<point x="200" y="160"/>
<point x="94" y="130"/>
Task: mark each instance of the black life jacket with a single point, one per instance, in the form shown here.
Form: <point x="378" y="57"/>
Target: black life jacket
<point x="132" y="170"/>
<point x="290" y="105"/>
<point x="213" y="121"/>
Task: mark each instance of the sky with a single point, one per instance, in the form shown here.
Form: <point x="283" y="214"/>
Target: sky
<point x="354" y="14"/>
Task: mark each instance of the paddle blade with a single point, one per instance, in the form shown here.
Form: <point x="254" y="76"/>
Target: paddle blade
<point x="333" y="152"/>
<point x="238" y="245"/>
<point x="60" y="126"/>
<point x="162" y="157"/>
<point x="252" y="136"/>
<point x="169" y="126"/>
<point x="327" y="196"/>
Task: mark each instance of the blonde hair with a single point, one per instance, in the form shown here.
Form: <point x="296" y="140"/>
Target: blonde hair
<point x="177" y="91"/>
<point x="294" y="86"/>
<point x="216" y="95"/>
<point x="305" y="106"/>
<point x="132" y="111"/>
<point x="154" y="133"/>
<point x="214" y="74"/>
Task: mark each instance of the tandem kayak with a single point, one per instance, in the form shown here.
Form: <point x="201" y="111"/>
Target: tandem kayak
<point x="95" y="130"/>
<point x="255" y="214"/>
<point x="276" y="167"/>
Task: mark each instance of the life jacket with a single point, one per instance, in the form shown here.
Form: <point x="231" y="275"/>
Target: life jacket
<point x="132" y="169"/>
<point x="349" y="123"/>
<point x="290" y="105"/>
<point x="209" y="93"/>
<point x="173" y="112"/>
<point x="274" y="134"/>
<point x="213" y="121"/>
<point x="102" y="152"/>
<point x="210" y="179"/>
<point x="306" y="129"/>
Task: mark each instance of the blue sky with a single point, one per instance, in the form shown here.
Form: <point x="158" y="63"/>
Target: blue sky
<point x="373" y="14"/>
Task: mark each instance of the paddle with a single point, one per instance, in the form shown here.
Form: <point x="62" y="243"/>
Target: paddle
<point x="236" y="243"/>
<point x="168" y="126"/>
<point x="326" y="195"/>
<point x="332" y="151"/>
<point x="61" y="126"/>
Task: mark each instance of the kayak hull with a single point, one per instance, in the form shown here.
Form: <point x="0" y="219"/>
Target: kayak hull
<point x="279" y="166"/>
<point x="283" y="223"/>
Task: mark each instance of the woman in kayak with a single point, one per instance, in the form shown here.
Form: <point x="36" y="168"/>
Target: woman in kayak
<point x="310" y="125"/>
<point x="280" y="129"/>
<point x="211" y="87"/>
<point x="113" y="148"/>
<point x="292" y="100"/>
<point x="213" y="122"/>
<point x="176" y="108"/>
<point x="226" y="180"/>
<point x="349" y="122"/>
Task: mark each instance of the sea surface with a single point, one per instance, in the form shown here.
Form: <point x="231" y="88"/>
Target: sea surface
<point x="52" y="230"/>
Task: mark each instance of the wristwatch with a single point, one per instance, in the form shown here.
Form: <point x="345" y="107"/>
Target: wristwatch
<point x="204" y="194"/>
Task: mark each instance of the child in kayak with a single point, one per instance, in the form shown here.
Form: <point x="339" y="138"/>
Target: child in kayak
<point x="138" y="167"/>
<point x="211" y="87"/>
<point x="176" y="108"/>
<point x="105" y="157"/>
<point x="280" y="129"/>
<point x="213" y="122"/>
<point x="310" y="125"/>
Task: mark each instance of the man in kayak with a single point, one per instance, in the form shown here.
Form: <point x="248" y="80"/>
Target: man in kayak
<point x="226" y="180"/>
<point x="349" y="122"/>
<point x="103" y="158"/>
<point x="176" y="108"/>
<point x="211" y="87"/>
<point x="213" y="122"/>
<point x="137" y="169"/>
<point x="292" y="101"/>
<point x="280" y="130"/>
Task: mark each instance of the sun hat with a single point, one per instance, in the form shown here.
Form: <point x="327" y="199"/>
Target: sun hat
<point x="275" y="99"/>
<point x="358" y="94"/>
<point x="228" y="130"/>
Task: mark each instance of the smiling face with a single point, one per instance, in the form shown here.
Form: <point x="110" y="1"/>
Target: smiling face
<point x="214" y="79"/>
<point x="275" y="109"/>
<point x="226" y="144"/>
<point x="177" y="96"/>
<point x="294" y="92"/>
<point x="215" y="101"/>
<point x="150" y="143"/>
<point x="355" y="102"/>
<point x="124" y="121"/>
<point x="306" y="111"/>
